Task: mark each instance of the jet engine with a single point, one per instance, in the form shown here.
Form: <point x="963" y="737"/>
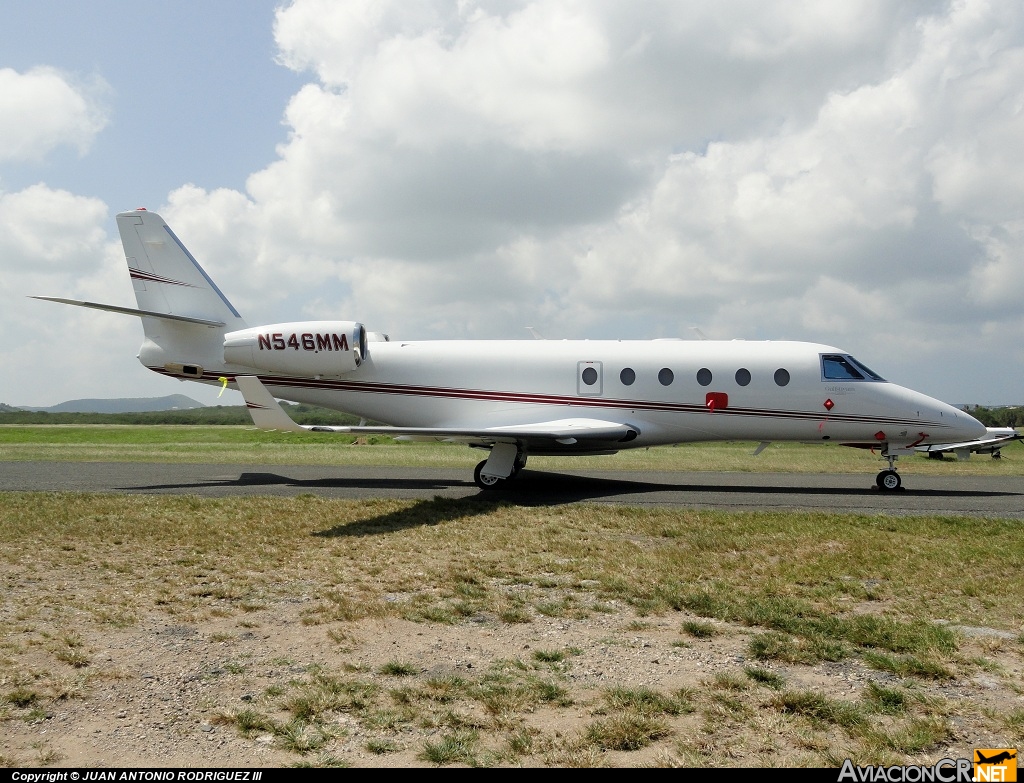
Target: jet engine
<point x="311" y="348"/>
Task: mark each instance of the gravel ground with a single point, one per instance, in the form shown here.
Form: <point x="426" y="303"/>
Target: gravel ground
<point x="159" y="694"/>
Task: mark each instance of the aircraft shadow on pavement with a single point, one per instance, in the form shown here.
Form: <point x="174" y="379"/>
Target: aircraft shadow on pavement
<point x="549" y="489"/>
<point x="545" y="487"/>
<point x="277" y="480"/>
<point x="530" y="489"/>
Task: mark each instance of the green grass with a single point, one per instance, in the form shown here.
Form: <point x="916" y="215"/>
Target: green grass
<point x="890" y="701"/>
<point x="301" y="737"/>
<point x="399" y="669"/>
<point x="626" y="732"/>
<point x="451" y="748"/>
<point x="821" y="709"/>
<point x="250" y="722"/>
<point x="646" y="701"/>
<point x="698" y="629"/>
<point x="765" y="570"/>
<point x="909" y="666"/>
<point x="246" y="445"/>
<point x="549" y="656"/>
<point x="21" y="697"/>
<point x="381" y="747"/>
<point x="765" y="677"/>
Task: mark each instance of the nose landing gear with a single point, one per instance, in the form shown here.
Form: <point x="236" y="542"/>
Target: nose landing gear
<point x="889" y="480"/>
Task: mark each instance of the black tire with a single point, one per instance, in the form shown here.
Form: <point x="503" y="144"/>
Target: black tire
<point x="486" y="482"/>
<point x="888" y="480"/>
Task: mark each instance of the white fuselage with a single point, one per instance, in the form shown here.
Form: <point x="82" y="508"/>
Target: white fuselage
<point x="670" y="399"/>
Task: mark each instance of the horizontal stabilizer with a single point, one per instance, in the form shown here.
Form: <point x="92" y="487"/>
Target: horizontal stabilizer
<point x="131" y="311"/>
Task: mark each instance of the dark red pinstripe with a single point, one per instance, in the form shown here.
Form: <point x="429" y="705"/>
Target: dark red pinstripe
<point x="551" y="399"/>
<point x="138" y="274"/>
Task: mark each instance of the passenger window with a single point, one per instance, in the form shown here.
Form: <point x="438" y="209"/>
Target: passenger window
<point x="666" y="376"/>
<point x="704" y="376"/>
<point x="743" y="376"/>
<point x="782" y="377"/>
<point x="589" y="376"/>
<point x="627" y="376"/>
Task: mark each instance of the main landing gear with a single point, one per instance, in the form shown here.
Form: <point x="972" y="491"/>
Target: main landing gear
<point x="889" y="480"/>
<point x="494" y="482"/>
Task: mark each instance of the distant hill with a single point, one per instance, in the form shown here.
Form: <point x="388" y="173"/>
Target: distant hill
<point x="173" y="402"/>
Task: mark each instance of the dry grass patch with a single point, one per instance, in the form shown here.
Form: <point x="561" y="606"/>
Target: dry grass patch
<point x="80" y="568"/>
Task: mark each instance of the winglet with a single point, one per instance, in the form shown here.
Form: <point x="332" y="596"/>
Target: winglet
<point x="266" y="412"/>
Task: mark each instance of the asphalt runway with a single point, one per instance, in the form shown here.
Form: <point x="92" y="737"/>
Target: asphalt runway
<point x="980" y="496"/>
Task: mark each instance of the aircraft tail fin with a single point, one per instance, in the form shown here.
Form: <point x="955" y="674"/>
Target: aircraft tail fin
<point x="184" y="314"/>
<point x="165" y="275"/>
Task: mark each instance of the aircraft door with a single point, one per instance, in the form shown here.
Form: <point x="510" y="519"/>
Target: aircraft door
<point x="589" y="379"/>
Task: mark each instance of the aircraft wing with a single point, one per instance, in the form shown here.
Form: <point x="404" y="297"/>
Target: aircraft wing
<point x="990" y="443"/>
<point x="267" y="414"/>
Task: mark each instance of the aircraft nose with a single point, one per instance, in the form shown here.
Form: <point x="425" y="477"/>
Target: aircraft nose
<point x="962" y="425"/>
<point x="973" y="427"/>
<point x="952" y="423"/>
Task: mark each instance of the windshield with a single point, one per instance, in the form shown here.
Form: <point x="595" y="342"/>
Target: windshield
<point x="841" y="367"/>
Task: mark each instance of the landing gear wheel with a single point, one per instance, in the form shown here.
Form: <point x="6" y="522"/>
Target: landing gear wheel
<point x="486" y="482"/>
<point x="888" y="480"/>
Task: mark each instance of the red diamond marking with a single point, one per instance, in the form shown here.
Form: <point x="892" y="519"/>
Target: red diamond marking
<point x="829" y="405"/>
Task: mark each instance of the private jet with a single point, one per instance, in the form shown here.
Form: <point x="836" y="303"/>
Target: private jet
<point x="517" y="398"/>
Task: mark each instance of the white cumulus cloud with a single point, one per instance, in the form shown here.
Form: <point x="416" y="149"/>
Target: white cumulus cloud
<point x="806" y="170"/>
<point x="42" y="108"/>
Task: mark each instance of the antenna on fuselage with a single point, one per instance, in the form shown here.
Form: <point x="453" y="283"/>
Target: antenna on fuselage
<point x="699" y="333"/>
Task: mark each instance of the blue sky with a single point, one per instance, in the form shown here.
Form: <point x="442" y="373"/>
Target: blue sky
<point x="842" y="173"/>
<point x="195" y="94"/>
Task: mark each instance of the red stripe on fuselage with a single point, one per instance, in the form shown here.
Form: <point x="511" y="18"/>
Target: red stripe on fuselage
<point x="404" y="390"/>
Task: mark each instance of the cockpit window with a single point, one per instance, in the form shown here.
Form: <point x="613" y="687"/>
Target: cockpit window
<point x="840" y="367"/>
<point x="864" y="369"/>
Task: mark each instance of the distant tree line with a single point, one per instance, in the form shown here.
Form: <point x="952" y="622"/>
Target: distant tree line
<point x="214" y="414"/>
<point x="1008" y="416"/>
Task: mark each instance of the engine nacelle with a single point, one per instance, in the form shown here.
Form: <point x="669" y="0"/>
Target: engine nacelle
<point x="315" y="348"/>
